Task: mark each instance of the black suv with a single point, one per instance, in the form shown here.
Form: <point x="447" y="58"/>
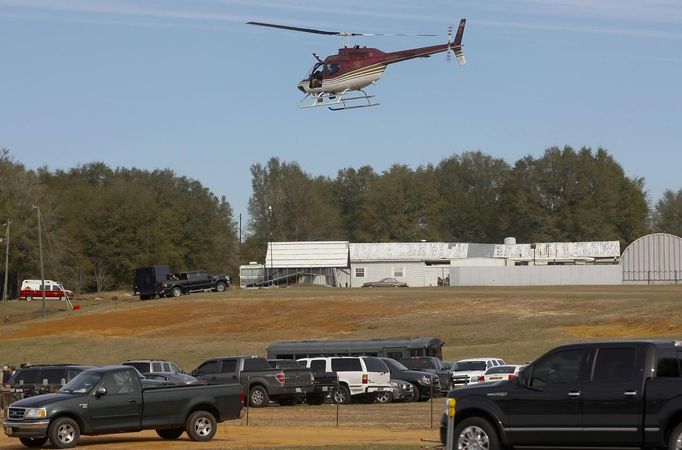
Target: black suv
<point x="34" y="380"/>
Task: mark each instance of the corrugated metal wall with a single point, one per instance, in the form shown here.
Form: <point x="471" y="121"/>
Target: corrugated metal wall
<point x="536" y="275"/>
<point x="653" y="259"/>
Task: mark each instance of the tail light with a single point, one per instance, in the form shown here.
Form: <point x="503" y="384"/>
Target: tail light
<point x="481" y="379"/>
<point x="242" y="398"/>
<point x="511" y="377"/>
<point x="365" y="378"/>
<point x="280" y="377"/>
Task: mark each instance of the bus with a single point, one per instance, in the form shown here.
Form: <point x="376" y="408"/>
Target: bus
<point x="390" y="348"/>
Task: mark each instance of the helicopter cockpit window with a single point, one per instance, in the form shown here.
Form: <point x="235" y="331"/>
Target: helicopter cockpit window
<point x="316" y="76"/>
<point x="331" y="69"/>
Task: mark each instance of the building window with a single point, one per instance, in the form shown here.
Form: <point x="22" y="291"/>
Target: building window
<point x="398" y="271"/>
<point x="359" y="272"/>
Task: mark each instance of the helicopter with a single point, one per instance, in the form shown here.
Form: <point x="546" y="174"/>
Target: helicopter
<point x="338" y="81"/>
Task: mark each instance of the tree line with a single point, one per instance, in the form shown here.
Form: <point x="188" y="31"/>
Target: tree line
<point x="99" y="223"/>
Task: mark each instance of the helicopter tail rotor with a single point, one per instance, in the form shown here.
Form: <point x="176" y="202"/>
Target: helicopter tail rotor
<point x="456" y="46"/>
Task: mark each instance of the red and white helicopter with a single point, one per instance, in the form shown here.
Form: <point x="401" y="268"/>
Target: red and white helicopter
<point x="339" y="80"/>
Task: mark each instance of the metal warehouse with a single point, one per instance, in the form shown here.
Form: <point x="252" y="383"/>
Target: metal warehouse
<point x="653" y="259"/>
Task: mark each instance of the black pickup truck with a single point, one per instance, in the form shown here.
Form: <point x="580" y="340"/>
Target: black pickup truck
<point x="324" y="383"/>
<point x="432" y="365"/>
<point x="112" y="400"/>
<point x="195" y="281"/>
<point x="617" y="394"/>
<point x="258" y="379"/>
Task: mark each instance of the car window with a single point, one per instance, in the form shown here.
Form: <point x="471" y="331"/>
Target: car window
<point x="375" y="365"/>
<point x="230" y="366"/>
<point x="174" y="368"/>
<point x="208" y="368"/>
<point x="53" y="376"/>
<point x="559" y="367"/>
<point x="394" y="365"/>
<point x="464" y="366"/>
<point x="346" y="364"/>
<point x="166" y="367"/>
<point x="26" y="376"/>
<point x="118" y="383"/>
<point x="143" y="367"/>
<point x="157" y="367"/>
<point x="500" y="369"/>
<point x="416" y="363"/>
<point x="256" y="364"/>
<point x="614" y="365"/>
<point x="318" y="365"/>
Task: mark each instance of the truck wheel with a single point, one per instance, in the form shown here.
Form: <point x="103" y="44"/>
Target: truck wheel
<point x="220" y="286"/>
<point x="384" y="397"/>
<point x="64" y="432"/>
<point x="29" y="297"/>
<point x="170" y="433"/>
<point x="33" y="442"/>
<point x="258" y="397"/>
<point x="342" y="395"/>
<point x="416" y="393"/>
<point x="675" y="440"/>
<point x="475" y="433"/>
<point x="176" y="292"/>
<point x="201" y="426"/>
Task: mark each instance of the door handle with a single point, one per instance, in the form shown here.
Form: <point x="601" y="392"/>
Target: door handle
<point x="574" y="394"/>
<point x="132" y="401"/>
<point x="630" y="393"/>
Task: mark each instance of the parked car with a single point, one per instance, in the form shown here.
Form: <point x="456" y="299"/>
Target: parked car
<point x="501" y="373"/>
<point x="432" y="365"/>
<point x="615" y="394"/>
<point x="258" y="379"/>
<point x="31" y="289"/>
<point x="359" y="377"/>
<point x="146" y="366"/>
<point x="469" y="371"/>
<point x="424" y="383"/>
<point x="41" y="379"/>
<point x="195" y="281"/>
<point x="403" y="391"/>
<point x="324" y="383"/>
<point x="385" y="282"/>
<point x="111" y="399"/>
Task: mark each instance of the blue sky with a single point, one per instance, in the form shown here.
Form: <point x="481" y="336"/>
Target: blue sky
<point x="187" y="85"/>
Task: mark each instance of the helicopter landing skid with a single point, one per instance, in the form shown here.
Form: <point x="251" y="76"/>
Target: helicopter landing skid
<point x="339" y="102"/>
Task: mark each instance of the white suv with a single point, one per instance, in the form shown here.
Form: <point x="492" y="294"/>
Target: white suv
<point x="358" y="375"/>
<point x="468" y="371"/>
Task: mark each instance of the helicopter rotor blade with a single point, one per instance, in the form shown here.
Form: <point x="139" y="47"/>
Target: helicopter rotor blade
<point x="329" y="33"/>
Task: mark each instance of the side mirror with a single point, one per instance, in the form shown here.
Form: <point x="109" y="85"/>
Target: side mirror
<point x="101" y="391"/>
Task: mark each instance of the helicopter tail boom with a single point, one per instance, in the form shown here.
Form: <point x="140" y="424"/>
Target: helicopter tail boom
<point x="456" y="46"/>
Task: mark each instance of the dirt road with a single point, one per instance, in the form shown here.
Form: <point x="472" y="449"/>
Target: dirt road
<point x="404" y="426"/>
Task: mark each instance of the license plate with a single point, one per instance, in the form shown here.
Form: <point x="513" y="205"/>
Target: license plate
<point x="298" y="389"/>
<point x="325" y="388"/>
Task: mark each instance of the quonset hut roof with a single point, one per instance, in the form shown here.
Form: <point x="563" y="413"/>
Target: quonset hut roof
<point x="307" y="254"/>
<point x="408" y="251"/>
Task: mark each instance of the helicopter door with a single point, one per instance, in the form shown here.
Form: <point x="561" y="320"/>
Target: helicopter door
<point x="316" y="76"/>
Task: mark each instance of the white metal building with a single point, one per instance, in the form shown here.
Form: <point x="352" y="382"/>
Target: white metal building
<point x="308" y="262"/>
<point x="653" y="259"/>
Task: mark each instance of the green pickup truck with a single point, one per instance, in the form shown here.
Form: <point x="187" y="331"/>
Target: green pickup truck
<point x="113" y="399"/>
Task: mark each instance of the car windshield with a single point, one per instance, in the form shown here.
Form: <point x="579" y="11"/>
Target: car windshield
<point x="501" y="369"/>
<point x="468" y="365"/>
<point x="417" y="363"/>
<point x="393" y="364"/>
<point x="82" y="383"/>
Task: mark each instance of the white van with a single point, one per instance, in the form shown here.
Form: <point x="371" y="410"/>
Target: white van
<point x="358" y="375"/>
<point x="31" y="289"/>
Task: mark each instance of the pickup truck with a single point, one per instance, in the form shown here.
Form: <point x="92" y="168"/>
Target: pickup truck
<point x="616" y="394"/>
<point x="113" y="399"/>
<point x="258" y="379"/>
<point x="194" y="281"/>
<point x="432" y="365"/>
<point x="324" y="383"/>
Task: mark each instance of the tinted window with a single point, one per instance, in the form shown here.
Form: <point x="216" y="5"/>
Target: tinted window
<point x="500" y="369"/>
<point x="53" y="376"/>
<point x="417" y="363"/>
<point x="229" y="366"/>
<point x="375" y="365"/>
<point x="614" y="365"/>
<point x="166" y="367"/>
<point x="209" y="367"/>
<point x="157" y="367"/>
<point x="464" y="366"/>
<point x="141" y="366"/>
<point x="26" y="376"/>
<point x="560" y="367"/>
<point x="346" y="364"/>
<point x="256" y="364"/>
<point x="318" y="365"/>
<point x="394" y="365"/>
<point x="668" y="363"/>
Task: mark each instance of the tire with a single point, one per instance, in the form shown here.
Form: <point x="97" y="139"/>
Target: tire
<point x="220" y="286"/>
<point x="62" y="298"/>
<point x="384" y="397"/>
<point x="315" y="399"/>
<point x="176" y="292"/>
<point x="33" y="442"/>
<point x="342" y="395"/>
<point x="170" y="434"/>
<point x="476" y="433"/>
<point x="29" y="297"/>
<point x="201" y="426"/>
<point x="675" y="439"/>
<point x="258" y="397"/>
<point x="64" y="432"/>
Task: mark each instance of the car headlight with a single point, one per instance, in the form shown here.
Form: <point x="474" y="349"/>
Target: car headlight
<point x="426" y="380"/>
<point x="397" y="385"/>
<point x="35" y="413"/>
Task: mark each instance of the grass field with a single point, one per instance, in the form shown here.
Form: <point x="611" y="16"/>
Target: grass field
<point x="517" y="324"/>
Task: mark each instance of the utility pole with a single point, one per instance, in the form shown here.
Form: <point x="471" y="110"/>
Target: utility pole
<point x="4" y="286"/>
<point x="272" y="272"/>
<point x="40" y="250"/>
